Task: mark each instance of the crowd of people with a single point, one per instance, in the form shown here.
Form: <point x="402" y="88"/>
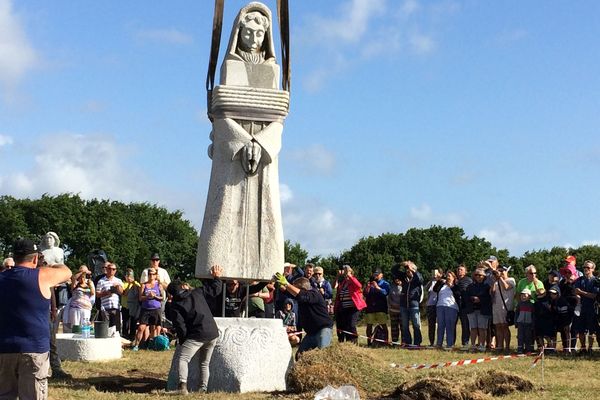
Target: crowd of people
<point x="485" y="303"/>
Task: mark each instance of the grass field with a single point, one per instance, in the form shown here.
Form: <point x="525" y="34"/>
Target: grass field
<point x="140" y="375"/>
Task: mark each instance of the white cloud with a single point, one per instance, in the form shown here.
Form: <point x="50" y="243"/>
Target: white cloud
<point x="504" y="235"/>
<point x="285" y="193"/>
<point x="165" y="36"/>
<point x="352" y="22"/>
<point x="314" y="159"/>
<point x="423" y="215"/>
<point x="5" y="140"/>
<point x="91" y="165"/>
<point x="17" y="56"/>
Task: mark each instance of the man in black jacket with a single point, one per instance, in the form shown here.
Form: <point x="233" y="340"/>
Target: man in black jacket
<point x="195" y="326"/>
<point x="314" y="318"/>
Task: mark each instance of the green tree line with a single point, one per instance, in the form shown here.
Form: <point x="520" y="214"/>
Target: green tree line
<point x="129" y="233"/>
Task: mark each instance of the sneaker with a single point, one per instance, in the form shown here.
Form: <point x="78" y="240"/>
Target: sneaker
<point x="465" y="347"/>
<point x="182" y="388"/>
<point x="135" y="348"/>
<point x="481" y="348"/>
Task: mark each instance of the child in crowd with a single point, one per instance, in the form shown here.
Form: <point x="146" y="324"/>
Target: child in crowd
<point x="562" y="314"/>
<point x="289" y="321"/>
<point x="545" y="330"/>
<point x="524" y="314"/>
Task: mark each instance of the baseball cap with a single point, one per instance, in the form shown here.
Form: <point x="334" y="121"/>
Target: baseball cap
<point x="23" y="247"/>
<point x="377" y="271"/>
<point x="155" y="256"/>
<point x="492" y="258"/>
<point x="288" y="264"/>
<point x="526" y="291"/>
<point x="571" y="259"/>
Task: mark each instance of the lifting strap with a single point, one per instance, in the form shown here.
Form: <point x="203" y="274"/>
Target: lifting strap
<point x="214" y="53"/>
<point x="283" y="13"/>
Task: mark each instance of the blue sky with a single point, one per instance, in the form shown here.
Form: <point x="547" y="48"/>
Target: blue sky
<point x="480" y="114"/>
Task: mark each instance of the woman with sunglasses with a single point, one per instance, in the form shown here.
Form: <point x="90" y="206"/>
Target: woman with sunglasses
<point x="151" y="297"/>
<point x="479" y="309"/>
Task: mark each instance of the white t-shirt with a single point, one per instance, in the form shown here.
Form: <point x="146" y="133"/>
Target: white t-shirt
<point x="163" y="276"/>
<point x="446" y="298"/>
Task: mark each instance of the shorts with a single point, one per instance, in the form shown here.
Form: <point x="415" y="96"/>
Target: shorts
<point x="376" y="318"/>
<point x="25" y="375"/>
<point x="587" y="322"/>
<point x="150" y="317"/>
<point x="476" y="320"/>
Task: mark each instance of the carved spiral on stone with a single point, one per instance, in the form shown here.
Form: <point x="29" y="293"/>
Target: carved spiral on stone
<point x="235" y="335"/>
<point x="260" y="337"/>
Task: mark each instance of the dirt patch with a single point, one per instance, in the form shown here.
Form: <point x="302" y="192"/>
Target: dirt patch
<point x="484" y="385"/>
<point x="135" y="384"/>
<point x="501" y="383"/>
<point x="435" y="389"/>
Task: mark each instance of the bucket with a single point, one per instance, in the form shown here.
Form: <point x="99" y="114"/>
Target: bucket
<point x="76" y="329"/>
<point x="101" y="329"/>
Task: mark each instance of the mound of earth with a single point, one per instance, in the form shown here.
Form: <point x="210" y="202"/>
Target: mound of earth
<point x="435" y="389"/>
<point x="501" y="383"/>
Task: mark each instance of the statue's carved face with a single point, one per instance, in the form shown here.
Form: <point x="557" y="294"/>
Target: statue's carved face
<point x="252" y="36"/>
<point x="49" y="241"/>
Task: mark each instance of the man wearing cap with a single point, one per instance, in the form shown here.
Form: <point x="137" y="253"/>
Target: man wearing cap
<point x="376" y="291"/>
<point x="412" y="292"/>
<point x="291" y="272"/>
<point x="25" y="293"/>
<point x="163" y="274"/>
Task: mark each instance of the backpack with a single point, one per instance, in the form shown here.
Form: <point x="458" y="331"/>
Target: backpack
<point x="159" y="343"/>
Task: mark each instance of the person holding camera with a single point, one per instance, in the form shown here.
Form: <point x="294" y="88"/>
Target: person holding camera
<point x="446" y="309"/>
<point x="109" y="291"/>
<point x="375" y="293"/>
<point x="411" y="296"/>
<point x="432" y="299"/>
<point x="348" y="304"/>
<point x="479" y="309"/>
<point x="82" y="300"/>
<point x="503" y="293"/>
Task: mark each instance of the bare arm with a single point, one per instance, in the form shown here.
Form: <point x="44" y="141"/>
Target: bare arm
<point x="52" y="276"/>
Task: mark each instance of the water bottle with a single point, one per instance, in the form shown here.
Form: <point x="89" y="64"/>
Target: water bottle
<point x="85" y="329"/>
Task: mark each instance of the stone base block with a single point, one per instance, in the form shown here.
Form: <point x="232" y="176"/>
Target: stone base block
<point x="251" y="355"/>
<point x="73" y="347"/>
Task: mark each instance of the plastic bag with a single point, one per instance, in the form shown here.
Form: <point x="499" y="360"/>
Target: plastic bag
<point x="346" y="392"/>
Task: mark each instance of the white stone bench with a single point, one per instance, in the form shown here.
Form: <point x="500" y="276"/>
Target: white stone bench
<point x="73" y="347"/>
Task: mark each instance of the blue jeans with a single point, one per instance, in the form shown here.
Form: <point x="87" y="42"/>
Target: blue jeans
<point x="319" y="339"/>
<point x="446" y="320"/>
<point x="414" y="316"/>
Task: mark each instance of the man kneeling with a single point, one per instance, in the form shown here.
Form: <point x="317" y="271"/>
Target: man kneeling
<point x="312" y="314"/>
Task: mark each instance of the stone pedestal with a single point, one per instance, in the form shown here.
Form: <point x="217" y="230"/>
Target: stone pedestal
<point x="73" y="347"/>
<point x="251" y="355"/>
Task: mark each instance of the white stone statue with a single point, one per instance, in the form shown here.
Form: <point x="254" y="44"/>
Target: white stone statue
<point x="242" y="230"/>
<point x="49" y="247"/>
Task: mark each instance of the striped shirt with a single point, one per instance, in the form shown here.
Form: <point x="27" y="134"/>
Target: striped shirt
<point x="112" y="301"/>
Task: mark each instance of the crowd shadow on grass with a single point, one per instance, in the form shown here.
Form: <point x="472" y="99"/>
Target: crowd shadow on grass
<point x="126" y="384"/>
